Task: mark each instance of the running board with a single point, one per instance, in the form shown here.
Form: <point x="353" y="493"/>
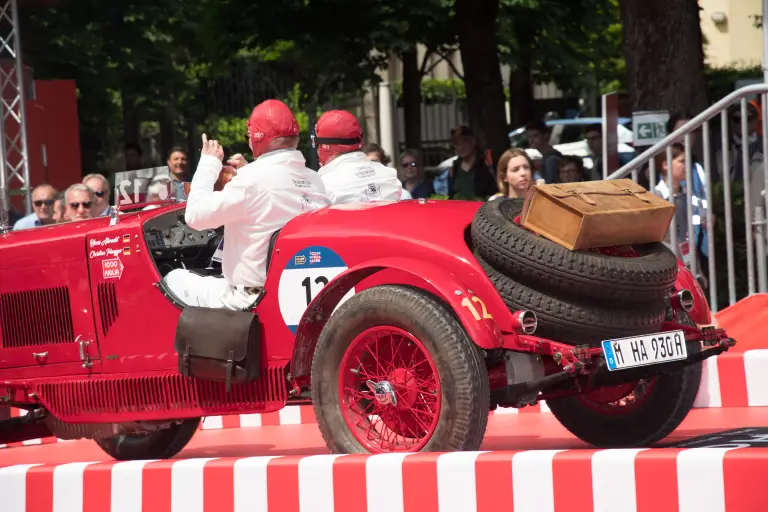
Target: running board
<point x="23" y="428"/>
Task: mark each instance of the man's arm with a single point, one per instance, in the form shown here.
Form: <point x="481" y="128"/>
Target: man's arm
<point x="207" y="209"/>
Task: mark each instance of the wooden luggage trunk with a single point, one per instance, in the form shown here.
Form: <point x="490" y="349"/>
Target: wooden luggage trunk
<point x="591" y="214"/>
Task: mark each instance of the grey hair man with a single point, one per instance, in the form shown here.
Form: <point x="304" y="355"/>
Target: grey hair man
<point x="79" y="202"/>
<point x="101" y="192"/>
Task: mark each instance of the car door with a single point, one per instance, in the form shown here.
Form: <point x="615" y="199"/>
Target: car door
<point x="46" y="316"/>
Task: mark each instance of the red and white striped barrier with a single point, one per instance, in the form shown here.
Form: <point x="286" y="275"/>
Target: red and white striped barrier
<point x="637" y="480"/>
<point x="729" y="380"/>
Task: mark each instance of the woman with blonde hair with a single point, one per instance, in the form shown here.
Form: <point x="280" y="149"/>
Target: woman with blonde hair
<point x="514" y="174"/>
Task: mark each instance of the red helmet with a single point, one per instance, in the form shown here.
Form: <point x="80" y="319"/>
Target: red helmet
<point x="270" y="120"/>
<point x="337" y="131"/>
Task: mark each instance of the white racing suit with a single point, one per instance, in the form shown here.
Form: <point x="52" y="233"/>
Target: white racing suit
<point x="352" y="178"/>
<point x="260" y="199"/>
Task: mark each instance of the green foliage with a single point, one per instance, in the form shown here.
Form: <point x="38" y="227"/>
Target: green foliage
<point x="574" y="43"/>
<point x="739" y="241"/>
<point x="721" y="80"/>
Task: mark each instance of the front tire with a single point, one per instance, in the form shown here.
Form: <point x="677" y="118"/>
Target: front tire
<point x="394" y="371"/>
<point x="162" y="444"/>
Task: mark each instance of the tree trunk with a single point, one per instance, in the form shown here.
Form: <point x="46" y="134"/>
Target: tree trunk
<point x="522" y="108"/>
<point x="411" y="98"/>
<point x="664" y="54"/>
<point x="476" y="21"/>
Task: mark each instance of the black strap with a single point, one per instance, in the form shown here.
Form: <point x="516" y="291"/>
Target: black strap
<point x="334" y="141"/>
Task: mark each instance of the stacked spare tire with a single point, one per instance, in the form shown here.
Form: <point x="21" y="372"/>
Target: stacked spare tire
<point x="579" y="297"/>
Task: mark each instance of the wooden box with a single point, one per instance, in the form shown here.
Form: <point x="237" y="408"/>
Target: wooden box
<point x="591" y="214"/>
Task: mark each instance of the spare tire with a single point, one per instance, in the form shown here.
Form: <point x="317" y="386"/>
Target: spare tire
<point x="569" y="322"/>
<point x="534" y="260"/>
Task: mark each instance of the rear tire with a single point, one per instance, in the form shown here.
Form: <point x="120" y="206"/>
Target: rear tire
<point x="670" y="399"/>
<point x="163" y="444"/>
<point x="437" y="374"/>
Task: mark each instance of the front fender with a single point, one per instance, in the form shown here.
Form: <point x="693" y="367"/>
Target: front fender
<point x="470" y="309"/>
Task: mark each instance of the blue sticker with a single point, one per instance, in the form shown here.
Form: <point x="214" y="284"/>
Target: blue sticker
<point x="302" y="279"/>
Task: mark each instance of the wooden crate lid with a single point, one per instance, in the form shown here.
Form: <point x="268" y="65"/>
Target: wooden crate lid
<point x="605" y="196"/>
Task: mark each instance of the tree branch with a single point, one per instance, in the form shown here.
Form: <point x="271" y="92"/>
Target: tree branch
<point x="450" y="63"/>
<point x="427" y="55"/>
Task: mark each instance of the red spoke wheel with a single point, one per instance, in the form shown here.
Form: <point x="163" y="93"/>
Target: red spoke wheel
<point x="394" y="371"/>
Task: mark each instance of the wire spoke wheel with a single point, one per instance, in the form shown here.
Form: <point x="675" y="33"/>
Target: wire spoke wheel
<point x="389" y="389"/>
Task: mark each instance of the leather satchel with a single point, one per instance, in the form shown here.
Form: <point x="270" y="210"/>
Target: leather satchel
<point x="219" y="345"/>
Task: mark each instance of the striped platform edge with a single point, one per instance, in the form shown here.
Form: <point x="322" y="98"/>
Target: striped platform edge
<point x="729" y="380"/>
<point x="637" y="480"/>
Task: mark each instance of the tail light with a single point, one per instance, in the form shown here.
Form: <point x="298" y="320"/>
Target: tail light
<point x="524" y="321"/>
<point x="683" y="300"/>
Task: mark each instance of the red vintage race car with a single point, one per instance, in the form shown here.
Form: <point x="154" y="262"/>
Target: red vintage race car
<point x="403" y="323"/>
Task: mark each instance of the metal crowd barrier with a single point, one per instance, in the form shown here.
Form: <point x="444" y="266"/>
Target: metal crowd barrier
<point x="754" y="215"/>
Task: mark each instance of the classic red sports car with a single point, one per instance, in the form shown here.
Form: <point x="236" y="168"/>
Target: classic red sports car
<point x="404" y="323"/>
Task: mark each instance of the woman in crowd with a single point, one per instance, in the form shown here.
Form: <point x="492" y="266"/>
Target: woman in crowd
<point x="514" y="174"/>
<point x="376" y="153"/>
<point x="414" y="179"/>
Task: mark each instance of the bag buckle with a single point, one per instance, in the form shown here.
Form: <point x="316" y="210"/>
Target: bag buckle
<point x="230" y="366"/>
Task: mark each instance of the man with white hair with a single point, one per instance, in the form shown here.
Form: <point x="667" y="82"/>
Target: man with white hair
<point x="79" y="202"/>
<point x="101" y="192"/>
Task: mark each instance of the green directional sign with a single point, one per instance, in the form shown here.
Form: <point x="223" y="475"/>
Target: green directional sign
<point x="649" y="127"/>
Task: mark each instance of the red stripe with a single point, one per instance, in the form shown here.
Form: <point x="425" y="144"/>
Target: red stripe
<point x="307" y="414"/>
<point x="530" y="409"/>
<point x="97" y="487"/>
<point x="40" y="488"/>
<point x="733" y="380"/>
<point x="230" y="421"/>
<point x="219" y="486"/>
<point x="283" y="484"/>
<point x="572" y="481"/>
<point x="493" y="481"/>
<point x="656" y="480"/>
<point x="270" y="419"/>
<point x="744" y="476"/>
<point x="349" y="484"/>
<point x="156" y="486"/>
<point x="420" y="482"/>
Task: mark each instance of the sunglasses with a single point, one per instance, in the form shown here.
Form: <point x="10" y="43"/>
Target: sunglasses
<point x="99" y="193"/>
<point x="408" y="164"/>
<point x="75" y="206"/>
<point x="46" y="202"/>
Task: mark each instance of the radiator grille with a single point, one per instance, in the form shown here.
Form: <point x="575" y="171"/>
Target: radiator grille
<point x="36" y="317"/>
<point x="162" y="396"/>
<point x="107" y="305"/>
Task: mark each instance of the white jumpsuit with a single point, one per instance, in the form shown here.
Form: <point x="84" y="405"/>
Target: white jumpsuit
<point x="262" y="198"/>
<point x="352" y="178"/>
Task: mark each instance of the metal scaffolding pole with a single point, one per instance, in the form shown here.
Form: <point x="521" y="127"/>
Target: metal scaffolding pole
<point x="14" y="164"/>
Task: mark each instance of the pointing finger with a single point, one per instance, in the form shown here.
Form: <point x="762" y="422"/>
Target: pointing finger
<point x="205" y="139"/>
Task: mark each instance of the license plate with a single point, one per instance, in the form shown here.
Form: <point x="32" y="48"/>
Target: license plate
<point x="645" y="350"/>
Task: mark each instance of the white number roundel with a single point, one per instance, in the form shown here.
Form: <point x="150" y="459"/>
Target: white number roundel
<point x="302" y="279"/>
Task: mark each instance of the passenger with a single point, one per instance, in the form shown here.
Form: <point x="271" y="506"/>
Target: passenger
<point x="261" y="198"/>
<point x="79" y="202"/>
<point x="43" y="201"/>
<point x="349" y="176"/>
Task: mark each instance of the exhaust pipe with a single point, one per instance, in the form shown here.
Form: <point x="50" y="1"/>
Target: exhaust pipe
<point x="683" y="300"/>
<point x="524" y="321"/>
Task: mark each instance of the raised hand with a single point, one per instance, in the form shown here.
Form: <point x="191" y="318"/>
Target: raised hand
<point x="212" y="147"/>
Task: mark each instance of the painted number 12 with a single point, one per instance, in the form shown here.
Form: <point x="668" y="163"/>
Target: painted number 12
<point x="472" y="309"/>
<point x="307" y="284"/>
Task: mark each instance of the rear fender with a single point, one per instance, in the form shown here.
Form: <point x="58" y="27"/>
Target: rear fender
<point x="483" y="330"/>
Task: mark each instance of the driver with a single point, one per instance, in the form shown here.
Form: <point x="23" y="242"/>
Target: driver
<point x="349" y="176"/>
<point x="260" y="199"/>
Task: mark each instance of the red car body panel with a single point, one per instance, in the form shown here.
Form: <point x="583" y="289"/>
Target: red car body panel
<point x="130" y="325"/>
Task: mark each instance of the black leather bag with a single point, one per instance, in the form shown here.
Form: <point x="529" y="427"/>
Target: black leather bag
<point x="219" y="345"/>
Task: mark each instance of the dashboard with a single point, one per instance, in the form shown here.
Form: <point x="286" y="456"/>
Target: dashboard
<point x="170" y="231"/>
